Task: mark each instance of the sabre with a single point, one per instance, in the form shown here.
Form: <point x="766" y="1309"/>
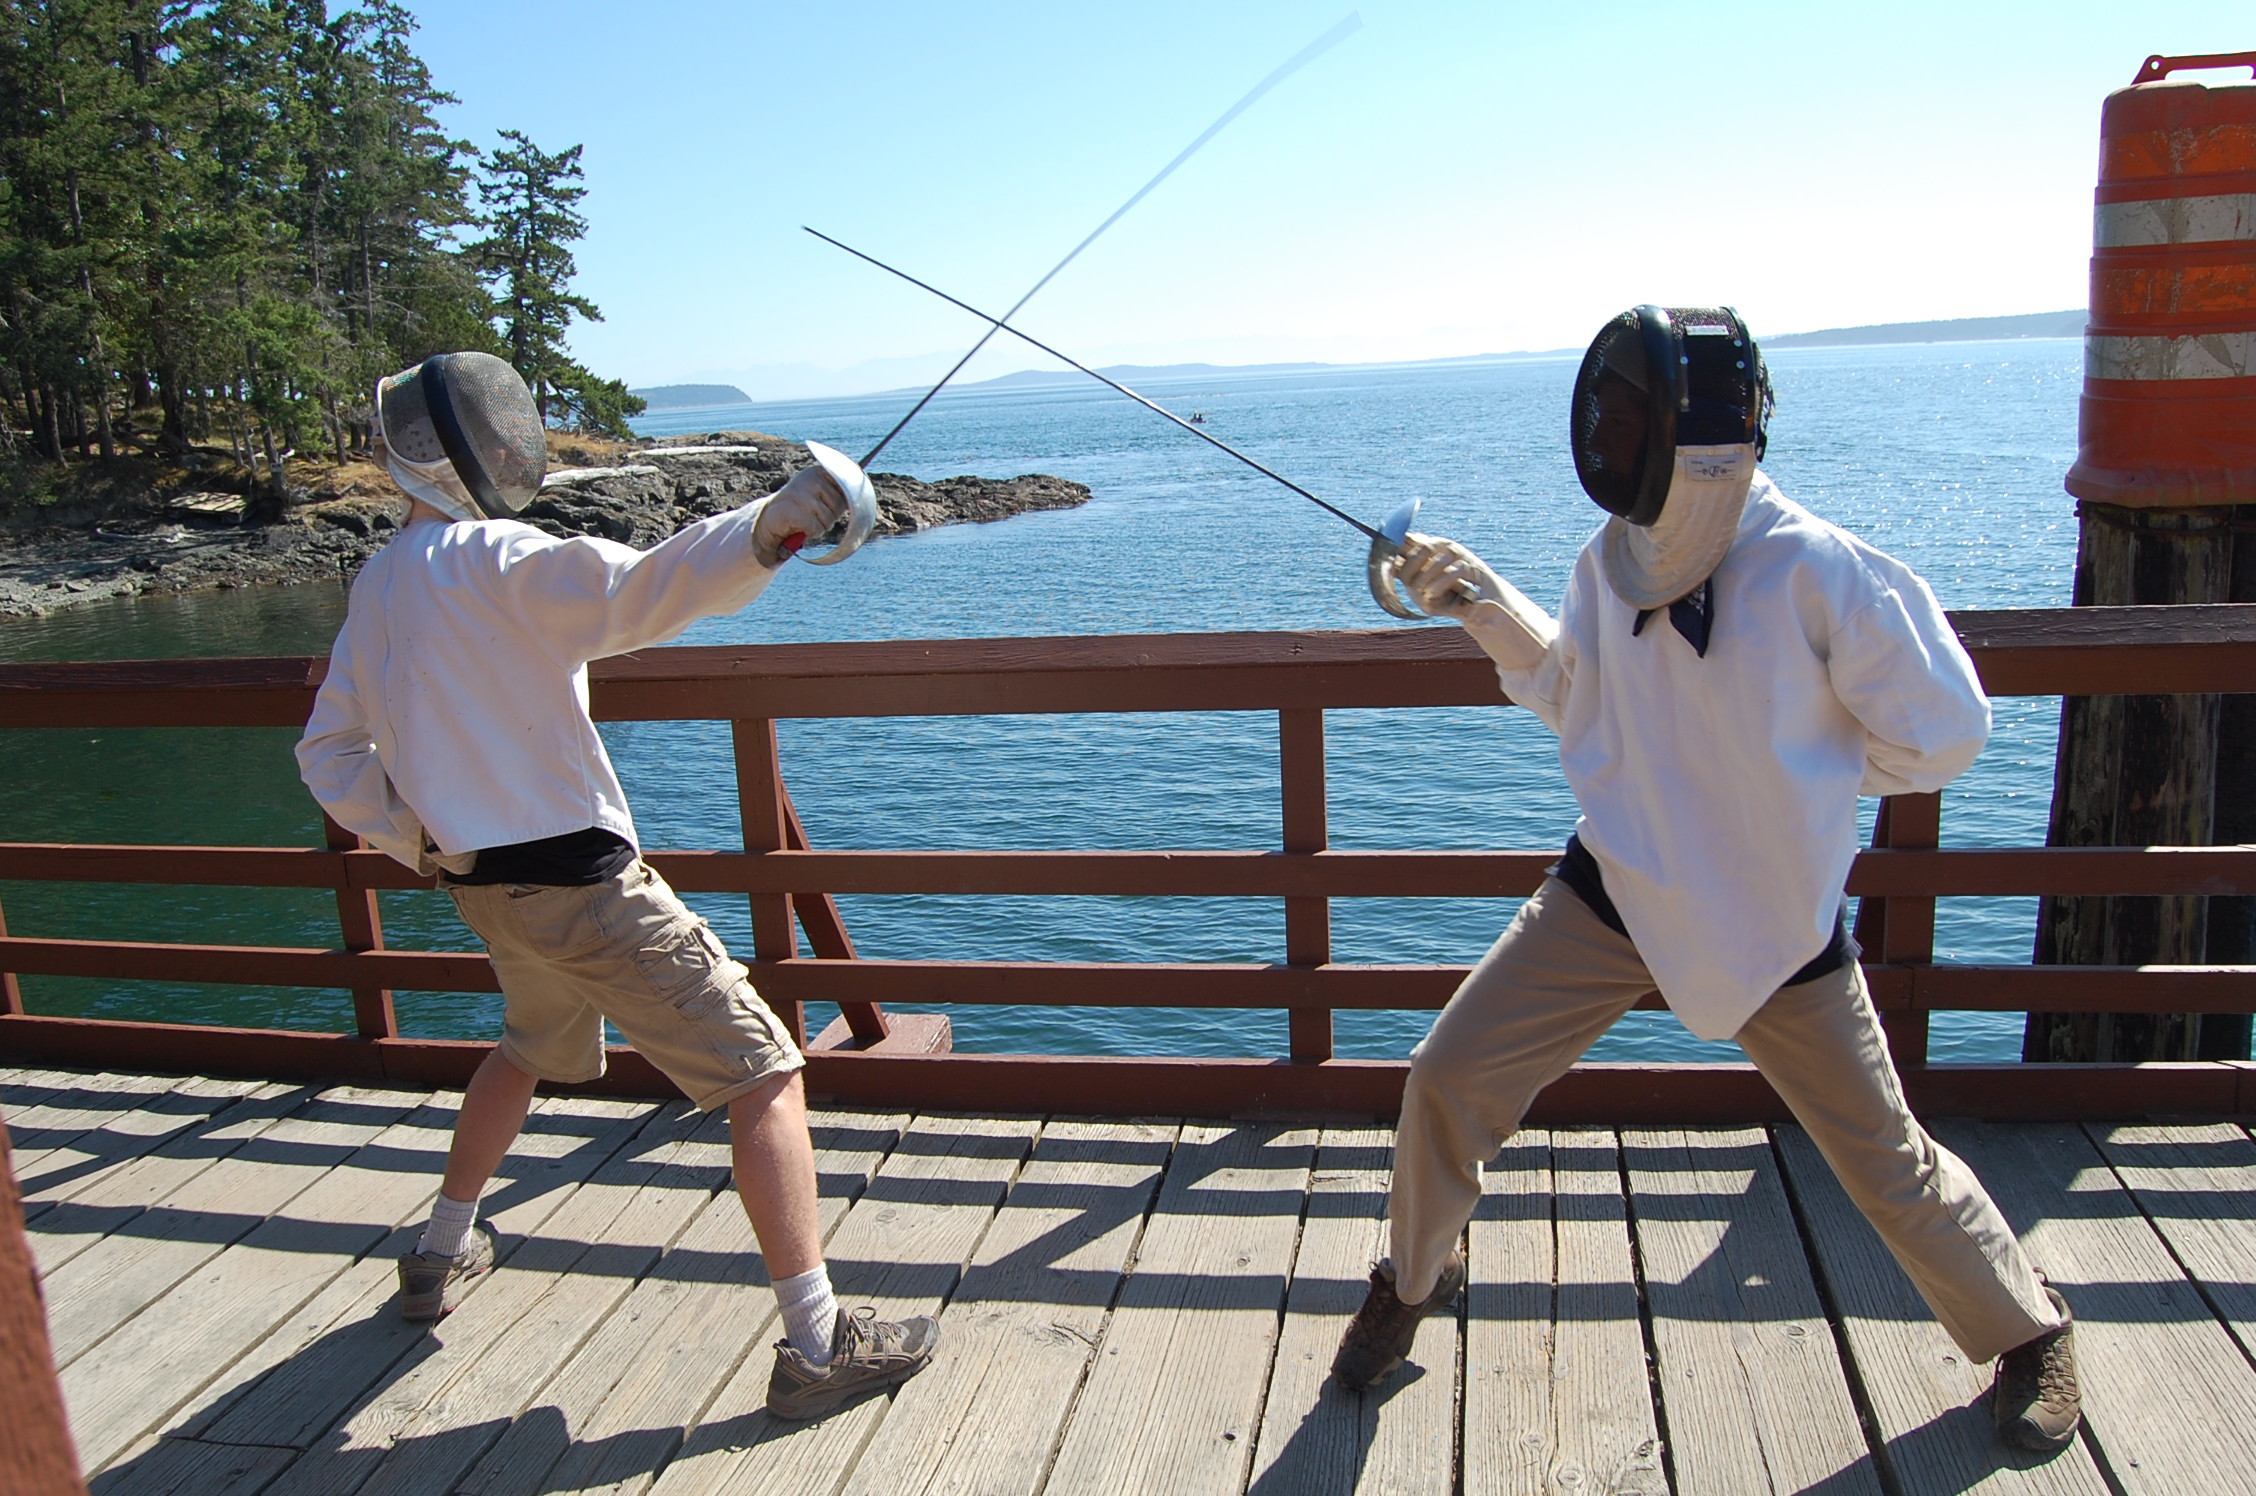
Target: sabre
<point x="853" y="477"/>
<point x="1386" y="539"/>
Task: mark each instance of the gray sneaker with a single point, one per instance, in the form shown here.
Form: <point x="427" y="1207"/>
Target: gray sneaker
<point x="431" y="1285"/>
<point x="1380" y="1334"/>
<point x="867" y="1355"/>
<point x="2038" y="1404"/>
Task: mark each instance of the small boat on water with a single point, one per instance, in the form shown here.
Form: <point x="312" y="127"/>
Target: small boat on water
<point x="1198" y="418"/>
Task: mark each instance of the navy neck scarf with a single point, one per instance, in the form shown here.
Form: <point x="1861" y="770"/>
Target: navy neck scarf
<point x="1693" y="616"/>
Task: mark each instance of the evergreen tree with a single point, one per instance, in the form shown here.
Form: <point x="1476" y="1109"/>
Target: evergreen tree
<point x="530" y="222"/>
<point x="224" y="220"/>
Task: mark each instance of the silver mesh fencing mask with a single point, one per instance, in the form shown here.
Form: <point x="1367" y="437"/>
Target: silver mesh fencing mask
<point x="466" y="417"/>
<point x="1657" y="379"/>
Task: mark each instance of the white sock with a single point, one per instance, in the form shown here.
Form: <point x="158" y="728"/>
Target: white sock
<point x="809" y="1313"/>
<point x="450" y="1224"/>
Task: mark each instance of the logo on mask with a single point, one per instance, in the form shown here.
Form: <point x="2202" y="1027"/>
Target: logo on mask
<point x="1713" y="469"/>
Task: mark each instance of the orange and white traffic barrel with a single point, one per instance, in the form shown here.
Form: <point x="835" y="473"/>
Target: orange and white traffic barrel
<point x="2169" y="407"/>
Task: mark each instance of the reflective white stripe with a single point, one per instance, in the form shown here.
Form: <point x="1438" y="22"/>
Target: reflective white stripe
<point x="2174" y="220"/>
<point x="2212" y="355"/>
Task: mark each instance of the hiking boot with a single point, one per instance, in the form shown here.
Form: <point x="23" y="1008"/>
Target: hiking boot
<point x="867" y="1355"/>
<point x="2037" y="1402"/>
<point x="1380" y="1334"/>
<point x="431" y="1285"/>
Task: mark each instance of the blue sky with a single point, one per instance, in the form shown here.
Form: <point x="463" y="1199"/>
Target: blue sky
<point x="1454" y="179"/>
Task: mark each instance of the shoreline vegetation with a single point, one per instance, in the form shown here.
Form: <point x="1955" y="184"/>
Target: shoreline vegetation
<point x="221" y="224"/>
<point x="136" y="527"/>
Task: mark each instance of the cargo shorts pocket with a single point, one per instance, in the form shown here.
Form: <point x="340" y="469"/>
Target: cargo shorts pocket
<point x="557" y="922"/>
<point x="686" y="966"/>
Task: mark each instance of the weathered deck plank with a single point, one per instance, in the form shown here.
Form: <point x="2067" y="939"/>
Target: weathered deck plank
<point x="156" y="1180"/>
<point x="1022" y="1328"/>
<point x="1317" y="1436"/>
<point x="618" y="1349"/>
<point x="902" y="1248"/>
<point x="432" y="1418"/>
<point x="2197" y="1186"/>
<point x="1927" y="1400"/>
<point x="129" y="1386"/>
<point x="320" y="1362"/>
<point x="614" y="1416"/>
<point x="1752" y="1389"/>
<point x="139" y="1261"/>
<point x="46" y="1109"/>
<point x="2168" y="1395"/>
<point x="1510" y="1267"/>
<point x="303" y="1377"/>
<point x="1171" y="1405"/>
<point x="58" y="1173"/>
<point x="533" y="1375"/>
<point x="1603" y="1435"/>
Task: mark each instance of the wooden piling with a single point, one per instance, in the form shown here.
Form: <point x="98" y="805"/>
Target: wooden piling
<point x="2175" y="770"/>
<point x="36" y="1454"/>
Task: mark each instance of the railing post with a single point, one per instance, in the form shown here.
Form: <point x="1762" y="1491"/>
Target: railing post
<point x="11" y="991"/>
<point x="363" y="929"/>
<point x="1308" y="921"/>
<point x="1901" y="930"/>
<point x="759" y="797"/>
<point x="826" y="933"/>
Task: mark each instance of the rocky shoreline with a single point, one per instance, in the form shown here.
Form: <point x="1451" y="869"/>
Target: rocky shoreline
<point x="182" y="543"/>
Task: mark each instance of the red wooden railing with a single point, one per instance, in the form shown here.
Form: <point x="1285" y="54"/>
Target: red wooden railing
<point x="2087" y="651"/>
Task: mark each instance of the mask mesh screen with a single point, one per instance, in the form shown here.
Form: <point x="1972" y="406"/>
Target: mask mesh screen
<point x="1611" y="416"/>
<point x="500" y="423"/>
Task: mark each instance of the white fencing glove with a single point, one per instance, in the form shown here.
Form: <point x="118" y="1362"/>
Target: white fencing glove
<point x="1449" y="581"/>
<point x="1444" y="578"/>
<point x="804" y="509"/>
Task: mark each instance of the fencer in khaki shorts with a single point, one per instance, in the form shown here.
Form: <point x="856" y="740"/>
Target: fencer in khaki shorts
<point x="629" y="950"/>
<point x="452" y="732"/>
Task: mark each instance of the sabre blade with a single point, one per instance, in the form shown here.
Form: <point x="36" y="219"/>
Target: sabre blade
<point x="1348" y="26"/>
<point x="1001" y="324"/>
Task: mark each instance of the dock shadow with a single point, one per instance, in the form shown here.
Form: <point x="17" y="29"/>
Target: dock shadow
<point x="1328" y="1448"/>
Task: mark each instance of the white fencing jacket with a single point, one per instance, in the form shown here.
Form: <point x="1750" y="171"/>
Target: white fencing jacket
<point x="1719" y="794"/>
<point x="456" y="706"/>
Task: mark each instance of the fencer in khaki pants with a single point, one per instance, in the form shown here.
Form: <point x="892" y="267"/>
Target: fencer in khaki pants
<point x="1559" y="978"/>
<point x="1727" y="674"/>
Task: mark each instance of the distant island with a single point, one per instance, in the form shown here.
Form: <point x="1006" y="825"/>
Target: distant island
<point x="2069" y="324"/>
<point x="690" y="396"/>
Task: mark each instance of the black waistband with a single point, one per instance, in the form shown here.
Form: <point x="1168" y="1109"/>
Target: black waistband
<point x="573" y="860"/>
<point x="1579" y="871"/>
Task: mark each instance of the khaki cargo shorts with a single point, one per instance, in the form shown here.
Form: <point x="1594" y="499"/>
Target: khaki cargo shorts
<point x="629" y="950"/>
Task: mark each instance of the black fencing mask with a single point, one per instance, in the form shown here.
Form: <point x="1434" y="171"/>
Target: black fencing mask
<point x="1657" y="379"/>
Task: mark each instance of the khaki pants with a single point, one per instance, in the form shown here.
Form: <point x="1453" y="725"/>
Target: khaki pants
<point x="1559" y="978"/>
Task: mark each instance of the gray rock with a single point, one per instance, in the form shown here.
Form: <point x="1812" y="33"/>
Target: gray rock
<point x="671" y="483"/>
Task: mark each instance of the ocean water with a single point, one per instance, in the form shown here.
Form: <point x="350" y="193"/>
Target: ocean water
<point x="1949" y="456"/>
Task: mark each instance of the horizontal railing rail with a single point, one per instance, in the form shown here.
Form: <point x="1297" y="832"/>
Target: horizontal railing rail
<point x="2023" y="652"/>
<point x="1298" y="676"/>
<point x="2010" y="872"/>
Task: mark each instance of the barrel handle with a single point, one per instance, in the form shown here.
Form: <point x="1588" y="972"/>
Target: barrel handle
<point x="2158" y="67"/>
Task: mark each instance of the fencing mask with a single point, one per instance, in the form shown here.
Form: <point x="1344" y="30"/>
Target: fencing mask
<point x="461" y="433"/>
<point x="1671" y="410"/>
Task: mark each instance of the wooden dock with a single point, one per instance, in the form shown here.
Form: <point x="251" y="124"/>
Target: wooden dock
<point x="1127" y="1306"/>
